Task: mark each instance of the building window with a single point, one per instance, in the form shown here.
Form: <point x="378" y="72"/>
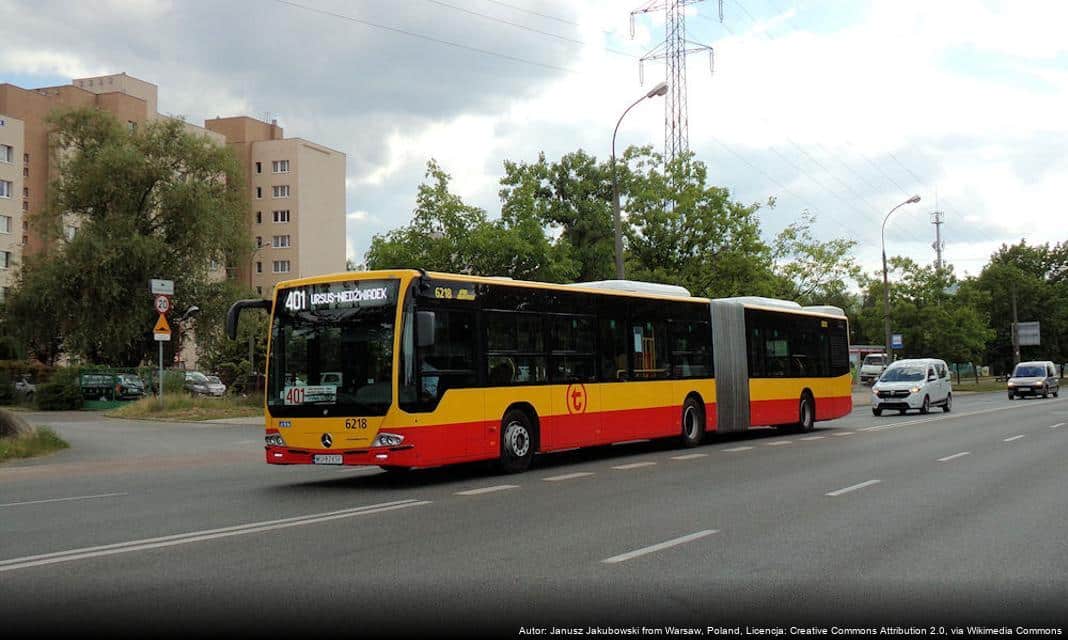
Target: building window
<point x="5" y="259"/>
<point x="259" y="168"/>
<point x="259" y="290"/>
<point x="25" y="225"/>
<point x="25" y="192"/>
<point x="280" y="190"/>
<point x="25" y="205"/>
<point x="281" y="215"/>
<point x="281" y="266"/>
<point x="259" y="192"/>
<point x="259" y="267"/>
<point x="259" y="217"/>
<point x="5" y="224"/>
<point x="280" y="242"/>
<point x="69" y="231"/>
<point x="5" y="188"/>
<point x="280" y="166"/>
<point x="25" y="172"/>
<point x="26" y="158"/>
<point x="214" y="265"/>
<point x="25" y="240"/>
<point x="259" y="241"/>
<point x="7" y="153"/>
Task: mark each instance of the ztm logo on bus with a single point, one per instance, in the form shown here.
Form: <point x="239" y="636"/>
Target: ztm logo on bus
<point x="576" y="398"/>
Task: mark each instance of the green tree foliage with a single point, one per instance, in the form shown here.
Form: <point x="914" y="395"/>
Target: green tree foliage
<point x="809" y="271"/>
<point x="683" y="231"/>
<point x="153" y="202"/>
<point x="446" y="234"/>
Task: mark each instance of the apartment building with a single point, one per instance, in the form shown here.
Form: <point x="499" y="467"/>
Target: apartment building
<point x="297" y="193"/>
<point x="12" y="203"/>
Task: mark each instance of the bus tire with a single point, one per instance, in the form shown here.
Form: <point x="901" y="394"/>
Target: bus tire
<point x="517" y="441"/>
<point x="693" y="422"/>
<point x="806" y="414"/>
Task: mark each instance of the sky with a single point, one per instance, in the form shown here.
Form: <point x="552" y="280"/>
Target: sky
<point x="844" y="108"/>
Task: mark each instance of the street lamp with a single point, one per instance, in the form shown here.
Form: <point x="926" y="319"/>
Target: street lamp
<point x="886" y="281"/>
<point x="659" y="90"/>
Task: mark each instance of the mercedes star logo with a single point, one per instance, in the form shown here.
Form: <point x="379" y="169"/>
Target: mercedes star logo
<point x="326" y="440"/>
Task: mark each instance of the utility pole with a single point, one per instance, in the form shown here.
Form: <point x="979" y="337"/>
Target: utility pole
<point x="937" y="219"/>
<point x="1015" y="329"/>
<point x="673" y="50"/>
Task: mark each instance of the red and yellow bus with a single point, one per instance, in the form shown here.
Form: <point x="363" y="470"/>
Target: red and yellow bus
<point x="405" y="369"/>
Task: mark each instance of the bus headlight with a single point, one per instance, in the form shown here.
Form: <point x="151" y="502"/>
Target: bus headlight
<point x="387" y="440"/>
<point x="274" y="440"/>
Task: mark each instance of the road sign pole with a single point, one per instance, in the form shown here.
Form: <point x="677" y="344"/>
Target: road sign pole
<point x="160" y="375"/>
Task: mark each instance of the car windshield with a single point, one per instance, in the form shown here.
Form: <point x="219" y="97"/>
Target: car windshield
<point x="905" y="373"/>
<point x="214" y="379"/>
<point x="873" y="360"/>
<point x="332" y="349"/>
<point x="197" y="377"/>
<point x="1029" y="371"/>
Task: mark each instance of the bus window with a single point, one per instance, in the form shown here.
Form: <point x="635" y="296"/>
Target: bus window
<point x="613" y="350"/>
<point x="650" y="350"/>
<point x="448" y="363"/>
<point x="777" y="354"/>
<point x="572" y="343"/>
<point x="690" y="352"/>
<point x="516" y="353"/>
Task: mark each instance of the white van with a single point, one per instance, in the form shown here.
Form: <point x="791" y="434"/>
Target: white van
<point x="872" y="367"/>
<point x="919" y="383"/>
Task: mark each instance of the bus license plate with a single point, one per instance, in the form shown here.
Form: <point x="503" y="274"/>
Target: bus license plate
<point x="327" y="458"/>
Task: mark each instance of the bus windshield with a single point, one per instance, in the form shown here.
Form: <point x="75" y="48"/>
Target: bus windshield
<point x="332" y="349"/>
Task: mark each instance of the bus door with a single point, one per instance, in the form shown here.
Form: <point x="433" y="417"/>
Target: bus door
<point x="653" y="409"/>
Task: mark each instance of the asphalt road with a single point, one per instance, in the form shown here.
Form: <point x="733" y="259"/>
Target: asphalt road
<point x="154" y="529"/>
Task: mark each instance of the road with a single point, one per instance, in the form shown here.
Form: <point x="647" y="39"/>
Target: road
<point x="945" y="519"/>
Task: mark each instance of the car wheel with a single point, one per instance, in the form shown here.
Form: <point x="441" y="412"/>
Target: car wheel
<point x="517" y="442"/>
<point x="693" y="423"/>
<point x="1012" y="396"/>
<point x="926" y="407"/>
<point x="876" y="412"/>
<point x="948" y="406"/>
<point x="1045" y="392"/>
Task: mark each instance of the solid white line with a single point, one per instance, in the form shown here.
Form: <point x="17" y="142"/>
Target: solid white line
<point x="1012" y="438"/>
<point x="955" y="455"/>
<point x="476" y="492"/>
<point x="776" y="443"/>
<point x="99" y="495"/>
<point x="634" y="465"/>
<point x="813" y="438"/>
<point x="842" y="433"/>
<point x="853" y="488"/>
<point x="1054" y="426"/>
<point x="569" y="476"/>
<point x="200" y="536"/>
<point x="948" y="416"/>
<point x="690" y="456"/>
<point x="737" y="449"/>
<point x="658" y="547"/>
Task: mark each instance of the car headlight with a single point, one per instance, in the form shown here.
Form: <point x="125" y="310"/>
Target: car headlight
<point x="1012" y="384"/>
<point x="274" y="440"/>
<point x="387" y="440"/>
<point x="914" y="390"/>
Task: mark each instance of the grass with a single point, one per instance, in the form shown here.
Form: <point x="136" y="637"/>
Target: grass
<point x="985" y="384"/>
<point x="181" y="406"/>
<point x="38" y="442"/>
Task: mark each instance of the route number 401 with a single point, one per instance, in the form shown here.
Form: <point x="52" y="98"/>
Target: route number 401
<point x="295" y="395"/>
<point x="297" y="300"/>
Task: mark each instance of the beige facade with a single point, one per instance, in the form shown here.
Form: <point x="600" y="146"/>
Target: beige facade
<point x="297" y="194"/>
<point x="12" y="216"/>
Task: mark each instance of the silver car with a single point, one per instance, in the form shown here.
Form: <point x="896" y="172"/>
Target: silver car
<point x="1034" y="379"/>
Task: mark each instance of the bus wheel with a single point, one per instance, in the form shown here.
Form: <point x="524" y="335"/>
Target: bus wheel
<point x="806" y="415"/>
<point x="517" y="442"/>
<point x="693" y="423"/>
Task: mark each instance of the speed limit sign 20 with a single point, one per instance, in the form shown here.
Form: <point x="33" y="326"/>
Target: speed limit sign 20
<point x="163" y="304"/>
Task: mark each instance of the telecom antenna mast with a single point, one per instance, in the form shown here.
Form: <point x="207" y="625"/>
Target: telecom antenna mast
<point x="673" y="50"/>
<point x="938" y="245"/>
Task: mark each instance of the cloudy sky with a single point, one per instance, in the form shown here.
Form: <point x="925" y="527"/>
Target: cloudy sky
<point x="845" y="108"/>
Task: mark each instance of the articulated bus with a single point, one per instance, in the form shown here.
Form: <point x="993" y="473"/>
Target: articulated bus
<point x="406" y="369"/>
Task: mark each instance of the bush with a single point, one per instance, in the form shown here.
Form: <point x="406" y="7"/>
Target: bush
<point x="7" y="388"/>
<point x="62" y="392"/>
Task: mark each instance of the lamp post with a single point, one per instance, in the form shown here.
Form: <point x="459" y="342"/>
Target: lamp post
<point x="659" y="90"/>
<point x="886" y="280"/>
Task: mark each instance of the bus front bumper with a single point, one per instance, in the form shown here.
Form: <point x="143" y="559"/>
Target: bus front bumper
<point x="402" y="456"/>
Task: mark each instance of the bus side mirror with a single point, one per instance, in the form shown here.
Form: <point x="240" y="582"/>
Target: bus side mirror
<point x="235" y="312"/>
<point x="424" y="327"/>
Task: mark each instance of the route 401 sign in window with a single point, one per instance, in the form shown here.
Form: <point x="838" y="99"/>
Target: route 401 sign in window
<point x="353" y="294"/>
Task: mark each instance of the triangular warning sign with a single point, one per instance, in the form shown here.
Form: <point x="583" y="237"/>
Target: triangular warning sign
<point x="162" y="326"/>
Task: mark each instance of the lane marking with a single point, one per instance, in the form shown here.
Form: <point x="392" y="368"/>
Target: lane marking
<point x="476" y="492"/>
<point x="777" y="443"/>
<point x="85" y="553"/>
<point x="659" y="547"/>
<point x="634" y="465"/>
<point x="954" y="456"/>
<point x="358" y="469"/>
<point x="1012" y="438"/>
<point x="99" y="495"/>
<point x="853" y="488"/>
<point x="813" y="438"/>
<point x="737" y="449"/>
<point x="569" y="476"/>
<point x="950" y="416"/>
<point x="690" y="456"/>
<point x="1054" y="426"/>
<point x="842" y="433"/>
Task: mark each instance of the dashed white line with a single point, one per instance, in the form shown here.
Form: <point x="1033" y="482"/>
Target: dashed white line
<point x="690" y="456"/>
<point x="659" y="547"/>
<point x="842" y="433"/>
<point x="853" y="488"/>
<point x="1054" y="426"/>
<point x="569" y="476"/>
<point x="954" y="456"/>
<point x="476" y="492"/>
<point x="1012" y="438"/>
<point x="813" y="438"/>
<point x="737" y="449"/>
<point x="634" y="465"/>
<point x="777" y="443"/>
<point x="99" y="495"/>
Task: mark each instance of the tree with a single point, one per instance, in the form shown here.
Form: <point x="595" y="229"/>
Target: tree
<point x="810" y="271"/>
<point x="128" y="206"/>
<point x="683" y="231"/>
